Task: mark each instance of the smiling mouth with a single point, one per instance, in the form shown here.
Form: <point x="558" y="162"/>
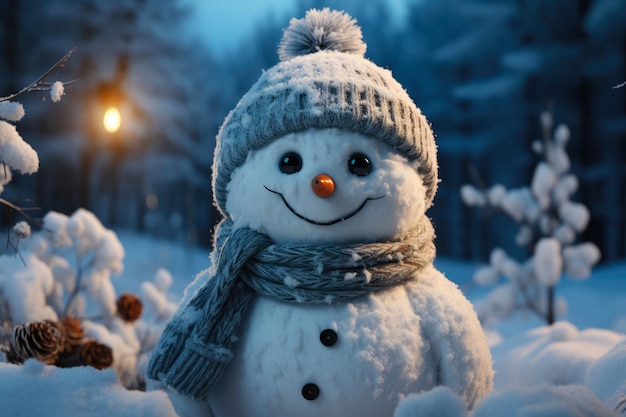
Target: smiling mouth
<point x="318" y="223"/>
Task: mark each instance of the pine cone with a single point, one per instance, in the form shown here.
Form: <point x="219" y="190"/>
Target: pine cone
<point x="92" y="353"/>
<point x="129" y="307"/>
<point x="73" y="333"/>
<point x="40" y="340"/>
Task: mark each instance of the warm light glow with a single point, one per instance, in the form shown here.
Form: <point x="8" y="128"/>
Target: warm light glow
<point x="112" y="120"/>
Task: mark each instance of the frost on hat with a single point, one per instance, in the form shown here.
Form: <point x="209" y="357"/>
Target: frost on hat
<point x="322" y="81"/>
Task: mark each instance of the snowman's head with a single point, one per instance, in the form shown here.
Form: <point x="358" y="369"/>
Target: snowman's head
<point x="326" y="146"/>
<point x="326" y="186"/>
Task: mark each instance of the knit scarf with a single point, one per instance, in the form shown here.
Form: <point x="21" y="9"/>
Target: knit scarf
<point x="196" y="345"/>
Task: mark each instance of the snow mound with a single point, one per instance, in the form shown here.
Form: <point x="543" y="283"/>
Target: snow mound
<point x="607" y="380"/>
<point x="543" y="401"/>
<point x="431" y="403"/>
<point x="35" y="390"/>
<point x="557" y="355"/>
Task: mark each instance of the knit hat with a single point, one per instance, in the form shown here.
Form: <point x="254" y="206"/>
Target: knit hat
<point x="323" y="81"/>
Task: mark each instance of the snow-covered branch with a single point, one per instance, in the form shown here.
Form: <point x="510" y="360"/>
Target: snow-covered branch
<point x="15" y="153"/>
<point x="40" y="84"/>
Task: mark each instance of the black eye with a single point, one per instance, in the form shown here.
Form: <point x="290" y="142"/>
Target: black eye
<point x="359" y="165"/>
<point x="290" y="163"/>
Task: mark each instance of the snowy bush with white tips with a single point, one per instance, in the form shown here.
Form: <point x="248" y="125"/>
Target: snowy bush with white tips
<point x="543" y="181"/>
<point x="548" y="263"/>
<point x="495" y="195"/>
<point x="472" y="196"/>
<point x="66" y="270"/>
<point x="16" y="154"/>
<point x="486" y="275"/>
<point x="11" y="111"/>
<point x="25" y="289"/>
<point x="549" y="222"/>
<point x="579" y="260"/>
<point x="574" y="214"/>
<point x="155" y="294"/>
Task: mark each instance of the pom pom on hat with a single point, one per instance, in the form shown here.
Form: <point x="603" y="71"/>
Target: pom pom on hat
<point x="321" y="30"/>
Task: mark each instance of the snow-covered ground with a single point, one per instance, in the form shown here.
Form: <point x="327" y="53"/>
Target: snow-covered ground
<point x="527" y="356"/>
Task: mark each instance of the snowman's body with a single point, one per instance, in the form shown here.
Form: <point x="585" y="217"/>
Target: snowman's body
<point x="388" y="344"/>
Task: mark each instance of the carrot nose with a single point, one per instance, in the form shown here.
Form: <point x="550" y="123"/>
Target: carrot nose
<point x="323" y="185"/>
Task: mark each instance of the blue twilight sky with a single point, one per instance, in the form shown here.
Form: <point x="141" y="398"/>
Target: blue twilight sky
<point x="221" y="23"/>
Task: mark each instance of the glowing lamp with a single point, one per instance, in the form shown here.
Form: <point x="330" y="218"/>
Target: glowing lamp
<point x="112" y="120"/>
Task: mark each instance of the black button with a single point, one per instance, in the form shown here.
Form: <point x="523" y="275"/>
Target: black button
<point x="328" y="337"/>
<point x="310" y="391"/>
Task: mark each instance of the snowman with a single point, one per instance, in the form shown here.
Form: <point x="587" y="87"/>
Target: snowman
<point x="322" y="299"/>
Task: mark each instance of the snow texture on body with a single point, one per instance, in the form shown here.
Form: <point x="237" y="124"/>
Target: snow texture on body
<point x="403" y="340"/>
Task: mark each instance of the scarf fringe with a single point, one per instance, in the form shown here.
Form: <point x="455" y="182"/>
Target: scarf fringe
<point x="168" y="350"/>
<point x="198" y="367"/>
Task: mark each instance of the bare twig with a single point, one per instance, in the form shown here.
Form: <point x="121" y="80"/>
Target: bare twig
<point x="621" y="404"/>
<point x="6" y="322"/>
<point x="615" y="87"/>
<point x="531" y="307"/>
<point x="99" y="317"/>
<point x="78" y="286"/>
<point x="14" y="245"/>
<point x="22" y="211"/>
<point x="473" y="171"/>
<point x="40" y="84"/>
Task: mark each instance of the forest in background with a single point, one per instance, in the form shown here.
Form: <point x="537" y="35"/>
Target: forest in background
<point x="482" y="71"/>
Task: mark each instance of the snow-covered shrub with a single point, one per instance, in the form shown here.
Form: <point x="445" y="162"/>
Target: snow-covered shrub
<point x="549" y="222"/>
<point x="65" y="273"/>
